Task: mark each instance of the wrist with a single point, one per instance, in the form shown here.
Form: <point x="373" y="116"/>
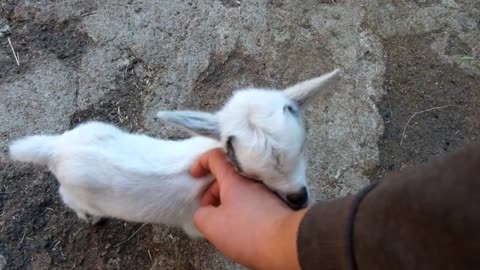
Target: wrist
<point x="279" y="248"/>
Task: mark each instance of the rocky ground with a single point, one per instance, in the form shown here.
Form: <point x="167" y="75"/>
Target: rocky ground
<point x="411" y="71"/>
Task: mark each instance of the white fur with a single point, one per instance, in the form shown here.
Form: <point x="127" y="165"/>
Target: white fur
<point x="106" y="172"/>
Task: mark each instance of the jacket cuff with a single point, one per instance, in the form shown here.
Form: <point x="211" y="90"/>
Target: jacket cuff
<point x="322" y="238"/>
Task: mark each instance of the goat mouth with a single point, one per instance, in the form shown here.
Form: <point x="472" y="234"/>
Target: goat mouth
<point x="256" y="179"/>
<point x="282" y="198"/>
<point x="292" y="206"/>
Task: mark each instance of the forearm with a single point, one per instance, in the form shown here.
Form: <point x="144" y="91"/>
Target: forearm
<point x="426" y="217"/>
<point x="322" y="241"/>
<point x="422" y="218"/>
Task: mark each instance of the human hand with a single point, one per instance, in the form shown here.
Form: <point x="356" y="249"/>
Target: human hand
<point x="243" y="219"/>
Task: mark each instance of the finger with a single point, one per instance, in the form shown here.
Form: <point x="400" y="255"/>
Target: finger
<point x="206" y="220"/>
<point x="201" y="166"/>
<point x="211" y="195"/>
<point x="213" y="161"/>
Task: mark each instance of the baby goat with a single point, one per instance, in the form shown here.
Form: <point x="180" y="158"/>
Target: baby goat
<point x="106" y="172"/>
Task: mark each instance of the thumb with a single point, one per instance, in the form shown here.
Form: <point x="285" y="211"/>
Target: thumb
<point x="206" y="219"/>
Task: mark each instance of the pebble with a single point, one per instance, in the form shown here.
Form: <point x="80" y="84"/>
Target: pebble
<point x="5" y="31"/>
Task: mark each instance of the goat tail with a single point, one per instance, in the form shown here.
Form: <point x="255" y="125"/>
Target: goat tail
<point x="34" y="149"/>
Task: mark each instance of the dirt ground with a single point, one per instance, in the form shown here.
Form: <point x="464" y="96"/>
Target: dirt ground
<point x="443" y="97"/>
<point x="439" y="97"/>
<point x="36" y="230"/>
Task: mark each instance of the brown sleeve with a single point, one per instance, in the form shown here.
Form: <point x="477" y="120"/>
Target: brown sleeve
<point x="426" y="217"/>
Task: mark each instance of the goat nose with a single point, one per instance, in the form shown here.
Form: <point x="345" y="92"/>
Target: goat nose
<point x="298" y="199"/>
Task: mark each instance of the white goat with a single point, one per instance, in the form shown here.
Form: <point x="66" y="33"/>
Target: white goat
<point x="106" y="172"/>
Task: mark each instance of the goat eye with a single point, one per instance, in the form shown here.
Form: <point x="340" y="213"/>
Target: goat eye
<point x="231" y="154"/>
<point x="290" y="109"/>
<point x="229" y="144"/>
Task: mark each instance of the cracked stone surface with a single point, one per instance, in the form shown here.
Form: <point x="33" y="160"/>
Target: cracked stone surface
<point x="42" y="108"/>
<point x="122" y="61"/>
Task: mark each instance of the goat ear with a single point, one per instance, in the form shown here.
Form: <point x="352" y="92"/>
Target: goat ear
<point x="197" y="123"/>
<point x="304" y="92"/>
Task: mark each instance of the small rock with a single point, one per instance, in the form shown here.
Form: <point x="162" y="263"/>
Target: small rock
<point x="41" y="260"/>
<point x="5" y="30"/>
<point x="141" y="72"/>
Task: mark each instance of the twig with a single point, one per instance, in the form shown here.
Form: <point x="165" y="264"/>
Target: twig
<point x="389" y="105"/>
<point x="15" y="54"/>
<point x="87" y="14"/>
<point x="149" y="255"/>
<point x="420" y="112"/>
<point x="129" y="238"/>
<point x="23" y="237"/>
<point x="61" y="252"/>
<point x="125" y="71"/>
<point x="84" y="256"/>
<point x="47" y="228"/>
<point x="75" y="234"/>
<point x="56" y="244"/>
